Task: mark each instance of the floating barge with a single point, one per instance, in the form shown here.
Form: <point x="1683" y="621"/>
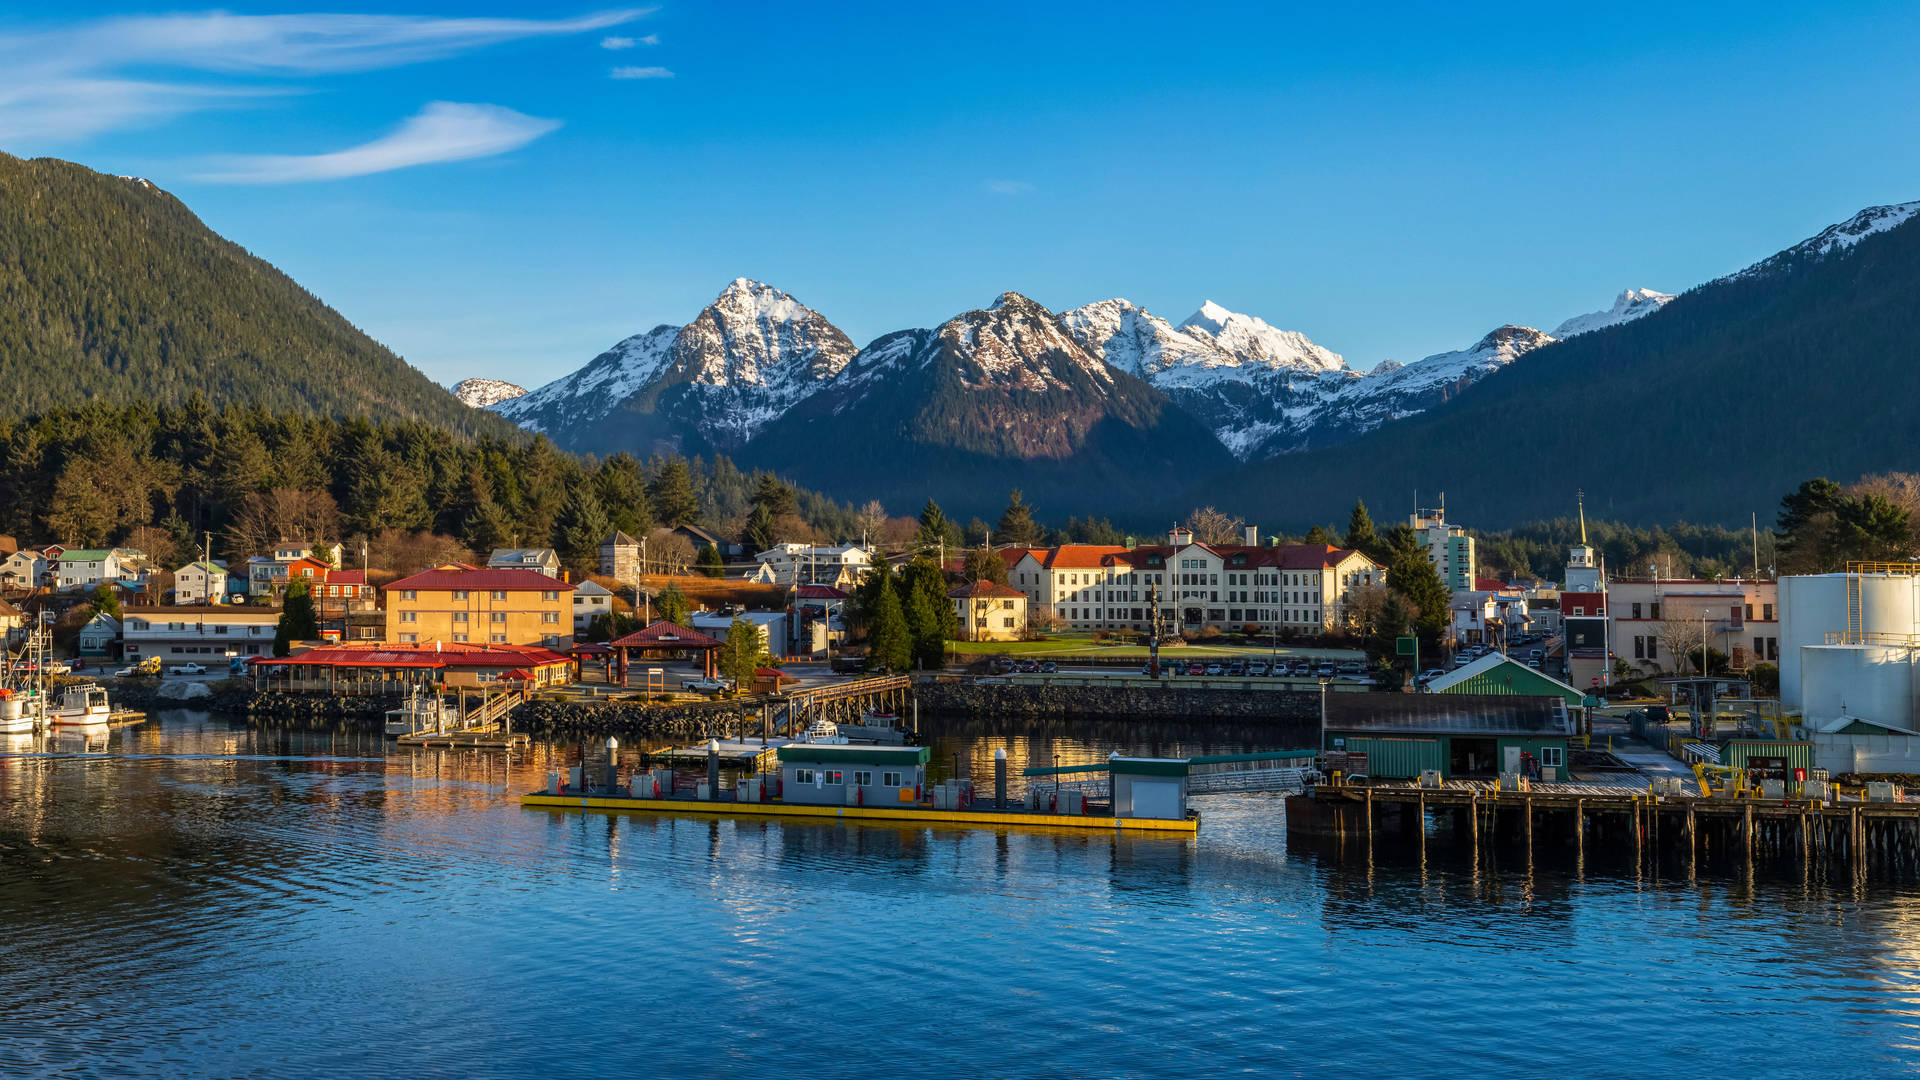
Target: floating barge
<point x="886" y="784"/>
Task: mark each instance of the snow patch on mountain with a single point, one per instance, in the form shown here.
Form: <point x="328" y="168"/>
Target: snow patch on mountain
<point x="1631" y="304"/>
<point x="1837" y="239"/>
<point x="480" y="393"/>
<point x="1255" y="342"/>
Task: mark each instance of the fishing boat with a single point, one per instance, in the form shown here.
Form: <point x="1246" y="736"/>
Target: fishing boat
<point x="424" y="711"/>
<point x="82" y="706"/>
<point x="825" y="733"/>
<point x="16" y="715"/>
<point x="876" y="728"/>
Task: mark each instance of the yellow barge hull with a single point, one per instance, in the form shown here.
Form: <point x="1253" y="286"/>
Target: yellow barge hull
<point x="892" y="815"/>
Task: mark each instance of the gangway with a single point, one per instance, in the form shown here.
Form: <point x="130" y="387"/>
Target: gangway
<point x="1209" y="774"/>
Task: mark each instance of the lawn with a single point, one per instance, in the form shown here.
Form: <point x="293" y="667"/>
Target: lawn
<point x="1066" y="645"/>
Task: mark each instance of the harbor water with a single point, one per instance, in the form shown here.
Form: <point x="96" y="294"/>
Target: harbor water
<point x="191" y="897"/>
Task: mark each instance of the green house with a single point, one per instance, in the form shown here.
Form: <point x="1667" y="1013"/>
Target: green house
<point x="1460" y="735"/>
<point x="1497" y="674"/>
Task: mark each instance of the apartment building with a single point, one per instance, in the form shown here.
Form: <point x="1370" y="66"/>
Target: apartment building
<point x="1449" y="546"/>
<point x="204" y="633"/>
<point x="1655" y="619"/>
<point x="460" y="603"/>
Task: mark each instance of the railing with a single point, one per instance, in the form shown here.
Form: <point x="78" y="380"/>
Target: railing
<point x="1864" y="567"/>
<point x="1290" y="778"/>
<point x="1873" y="637"/>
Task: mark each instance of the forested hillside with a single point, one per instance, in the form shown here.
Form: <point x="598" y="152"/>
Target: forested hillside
<point x="1704" y="411"/>
<point x="111" y="290"/>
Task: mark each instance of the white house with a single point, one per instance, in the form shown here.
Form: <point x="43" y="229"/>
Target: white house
<point x="24" y="569"/>
<point x="201" y="632"/>
<point x="86" y="568"/>
<point x="589" y="599"/>
<point x="98" y="636"/>
<point x="541" y="560"/>
<point x="805" y="564"/>
<point x="200" y="582"/>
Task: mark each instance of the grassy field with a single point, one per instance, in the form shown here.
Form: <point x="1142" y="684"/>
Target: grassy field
<point x="1069" y="645"/>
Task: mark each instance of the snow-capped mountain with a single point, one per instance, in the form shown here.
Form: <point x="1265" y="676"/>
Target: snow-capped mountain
<point x="708" y="386"/>
<point x="1394" y="391"/>
<point x="1631" y="304"/>
<point x="1258" y="344"/>
<point x="1837" y="238"/>
<point x="480" y="393"/>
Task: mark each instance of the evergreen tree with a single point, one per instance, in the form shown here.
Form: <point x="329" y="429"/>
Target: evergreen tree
<point x="583" y="524"/>
<point x="773" y="495"/>
<point x="1360" y="535"/>
<point x="106" y="601"/>
<point x="297" y="619"/>
<point x="1413" y="577"/>
<point x="923" y="577"/>
<point x="889" y="640"/>
<point x="1016" y="522"/>
<point x="759" y="534"/>
<point x="674" y="502"/>
<point x="672" y="605"/>
<point x="923" y="626"/>
<point x="936" y="530"/>
<point x="622" y="487"/>
<point x="710" y="563"/>
<point x="742" y="652"/>
<point x="1318" y="535"/>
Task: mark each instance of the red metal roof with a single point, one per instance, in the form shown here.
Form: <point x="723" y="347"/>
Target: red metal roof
<point x="347" y="577"/>
<point x="465" y="577"/>
<point x="819" y="592"/>
<point x="664" y="634"/>
<point x="984" y="587"/>
<point x="1084" y="556"/>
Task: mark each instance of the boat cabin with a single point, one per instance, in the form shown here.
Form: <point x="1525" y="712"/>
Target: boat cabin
<point x="829" y="774"/>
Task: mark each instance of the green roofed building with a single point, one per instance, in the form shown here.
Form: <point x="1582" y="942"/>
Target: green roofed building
<point x="840" y="774"/>
<point x="1499" y="674"/>
<point x="1458" y="735"/>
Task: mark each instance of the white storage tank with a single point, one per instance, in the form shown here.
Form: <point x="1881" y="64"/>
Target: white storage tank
<point x="1815" y="605"/>
<point x="1871" y="682"/>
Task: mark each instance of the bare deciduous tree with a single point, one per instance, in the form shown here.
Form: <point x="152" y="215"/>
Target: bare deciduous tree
<point x="1211" y="526"/>
<point x="668" y="552"/>
<point x="264" y="518"/>
<point x="870" y="520"/>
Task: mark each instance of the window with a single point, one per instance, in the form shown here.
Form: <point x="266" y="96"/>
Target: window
<point x="550" y="595"/>
<point x="458" y="616"/>
<point x="409" y="638"/>
<point x="1636" y="613"/>
<point x="891" y="779"/>
<point x="409" y="594"/>
<point x="832" y="776"/>
<point x="803" y="776"/>
<point x="497" y="639"/>
<point x="1653" y="610"/>
<point x="1653" y="648"/>
<point x="499" y="616"/>
<point x="1550" y="756"/>
<point x="1766" y="612"/>
<point x="1749" y="612"/>
<point x="459" y="637"/>
<point x="862" y="778"/>
<point x="409" y="616"/>
<point x="1639" y="647"/>
<point x="459" y="594"/>
<point x="549" y="616"/>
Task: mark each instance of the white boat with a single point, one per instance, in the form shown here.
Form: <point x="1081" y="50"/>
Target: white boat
<point x="16" y="717"/>
<point x="423" y="711"/>
<point x="823" y="732"/>
<point x="879" y="728"/>
<point x="82" y="706"/>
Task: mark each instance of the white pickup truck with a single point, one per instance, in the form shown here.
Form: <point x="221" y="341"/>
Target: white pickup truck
<point x="706" y="686"/>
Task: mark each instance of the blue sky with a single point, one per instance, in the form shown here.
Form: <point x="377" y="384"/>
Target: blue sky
<point x="474" y="186"/>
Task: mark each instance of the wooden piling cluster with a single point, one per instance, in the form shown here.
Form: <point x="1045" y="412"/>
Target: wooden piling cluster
<point x="1647" y="830"/>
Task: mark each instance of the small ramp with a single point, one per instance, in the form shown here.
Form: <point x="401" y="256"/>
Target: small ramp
<point x="1210" y="774"/>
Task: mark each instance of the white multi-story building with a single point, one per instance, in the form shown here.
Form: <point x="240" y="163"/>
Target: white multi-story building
<point x="838" y="565"/>
<point x="206" y="633"/>
<point x="589" y="599"/>
<point x="24" y="569"/>
<point x="1449" y="546"/>
<point x="200" y="582"/>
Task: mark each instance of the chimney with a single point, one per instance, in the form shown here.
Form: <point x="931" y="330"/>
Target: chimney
<point x="1253" y="536"/>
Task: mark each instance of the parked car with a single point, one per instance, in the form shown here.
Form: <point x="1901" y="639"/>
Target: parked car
<point x="1049" y="667"/>
<point x="1431" y="674"/>
<point x="1257" y="669"/>
<point x="1029" y="667"/>
<point x="1535" y="654"/>
<point x="706" y="686"/>
<point x="1326" y="670"/>
<point x="187" y="669"/>
<point x="1534" y="662"/>
<point x="1237" y="669"/>
<point x="59" y="667"/>
<point x="1216" y="669"/>
<point x="1146" y="668"/>
<point x="1353" y="667"/>
<point x="1195" y="667"/>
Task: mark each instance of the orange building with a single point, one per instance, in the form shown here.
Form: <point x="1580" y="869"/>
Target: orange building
<point x="461" y="603"/>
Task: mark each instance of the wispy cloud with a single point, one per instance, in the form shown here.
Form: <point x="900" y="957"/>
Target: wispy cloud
<point x="443" y="131"/>
<point x="650" y="39"/>
<point x="78" y="80"/>
<point x="642" y="73"/>
<point x="1009" y="187"/>
<point x="617" y="43"/>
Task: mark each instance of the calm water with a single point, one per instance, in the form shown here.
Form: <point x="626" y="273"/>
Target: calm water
<point x="202" y="900"/>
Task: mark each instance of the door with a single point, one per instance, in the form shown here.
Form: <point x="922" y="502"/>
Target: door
<point x="1509" y="759"/>
<point x="1156" y="799"/>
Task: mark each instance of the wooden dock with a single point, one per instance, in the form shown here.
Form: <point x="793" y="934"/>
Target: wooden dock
<point x="888" y="815"/>
<point x="1604" y="819"/>
<point x="734" y="754"/>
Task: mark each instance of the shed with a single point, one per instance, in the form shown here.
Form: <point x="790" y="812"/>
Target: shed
<point x="1776" y="757"/>
<point x="1497" y="674"/>
<point x="1457" y="734"/>
<point x="838" y="774"/>
<point x="768" y="680"/>
<point x="1149" y="787"/>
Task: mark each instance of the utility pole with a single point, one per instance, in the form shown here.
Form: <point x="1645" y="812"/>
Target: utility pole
<point x="1153" y="631"/>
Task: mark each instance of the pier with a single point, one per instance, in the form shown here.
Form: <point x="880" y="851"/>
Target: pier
<point x="1601" y="819"/>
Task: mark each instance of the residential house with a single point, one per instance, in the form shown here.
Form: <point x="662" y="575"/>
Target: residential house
<point x="1654" y="619"/>
<point x="540" y="560"/>
<point x="200" y="582"/>
<point x="493" y="606"/>
<point x="99" y="635"/>
<point x="1493" y="613"/>
<point x="589" y="599"/>
<point x="289" y="550"/>
<point x="838" y="565"/>
<point x="13" y="623"/>
<point x="207" y="633"/>
<point x="619" y="558"/>
<point x="819" y="620"/>
<point x="989" y="611"/>
<point x="700" y="538"/>
<point x="341" y="593"/>
<point x="86" y="568"/>
<point x="24" y="569"/>
<point x="268" y="578"/>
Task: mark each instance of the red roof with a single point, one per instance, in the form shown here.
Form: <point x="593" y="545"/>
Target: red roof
<point x="347" y="577"/>
<point x="984" y="587"/>
<point x="466" y="577"/>
<point x="1084" y="556"/>
<point x="1013" y="555"/>
<point x="819" y="592"/>
<point x="440" y="654"/>
<point x="1487" y="584"/>
<point x="775" y="674"/>
<point x="664" y="634"/>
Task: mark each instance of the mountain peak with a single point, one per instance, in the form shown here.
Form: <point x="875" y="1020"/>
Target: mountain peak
<point x="1252" y="340"/>
<point x="480" y="393"/>
<point x="1631" y="304"/>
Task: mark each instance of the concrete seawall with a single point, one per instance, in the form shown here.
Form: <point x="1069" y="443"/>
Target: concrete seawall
<point x="977" y="701"/>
